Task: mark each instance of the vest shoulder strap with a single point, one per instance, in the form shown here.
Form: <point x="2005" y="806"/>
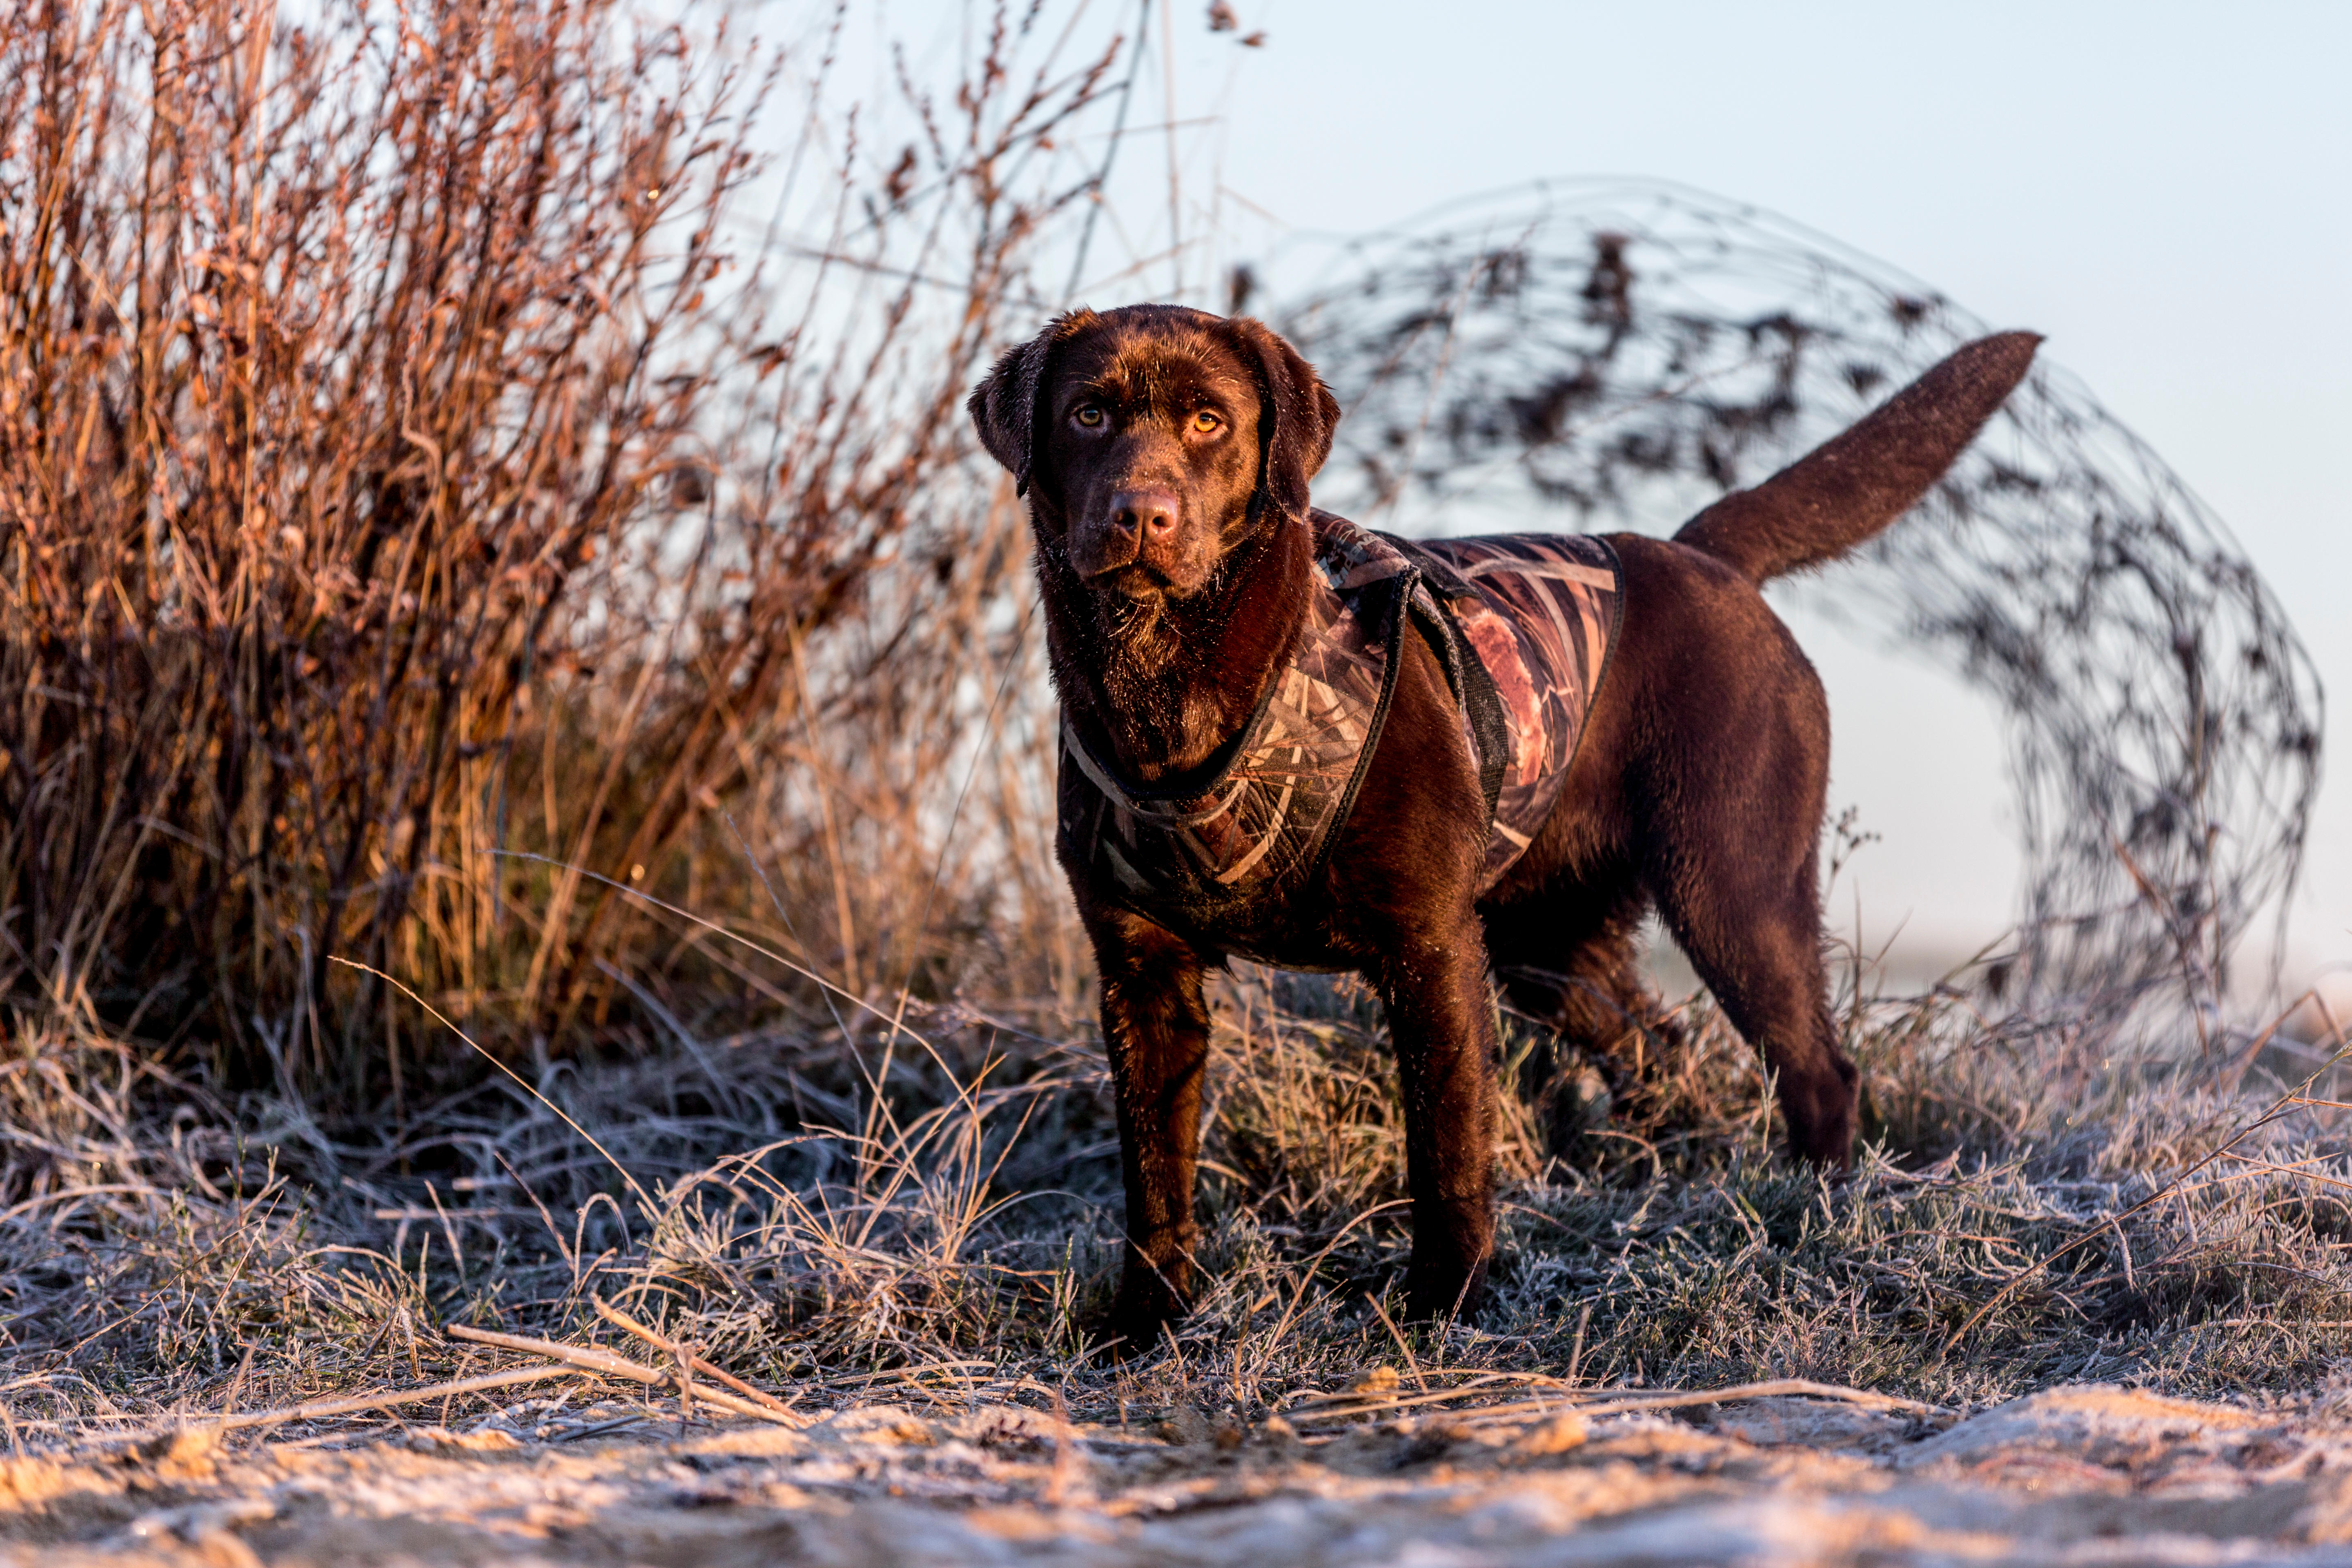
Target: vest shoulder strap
<point x="1433" y="613"/>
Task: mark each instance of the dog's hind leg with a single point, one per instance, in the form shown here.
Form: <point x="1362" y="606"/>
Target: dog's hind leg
<point x="1573" y="963"/>
<point x="1749" y="919"/>
<point x="1589" y="988"/>
<point x="1719" y="740"/>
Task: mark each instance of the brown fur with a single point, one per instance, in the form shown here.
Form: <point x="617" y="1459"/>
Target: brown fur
<point x="1173" y="554"/>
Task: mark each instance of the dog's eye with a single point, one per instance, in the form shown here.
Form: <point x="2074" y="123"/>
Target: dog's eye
<point x="1090" y="414"/>
<point x="1206" y="421"/>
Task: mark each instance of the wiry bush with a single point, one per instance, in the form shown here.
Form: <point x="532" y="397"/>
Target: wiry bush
<point x="1621" y="352"/>
<point x="405" y="461"/>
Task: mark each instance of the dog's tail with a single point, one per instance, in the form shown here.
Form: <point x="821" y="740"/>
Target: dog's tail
<point x="1847" y="488"/>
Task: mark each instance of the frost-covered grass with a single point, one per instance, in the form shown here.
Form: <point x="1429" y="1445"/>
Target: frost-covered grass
<point x="2027" y="1213"/>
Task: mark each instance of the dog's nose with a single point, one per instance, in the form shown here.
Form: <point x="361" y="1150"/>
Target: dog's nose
<point x="1146" y="515"/>
<point x="1139" y="521"/>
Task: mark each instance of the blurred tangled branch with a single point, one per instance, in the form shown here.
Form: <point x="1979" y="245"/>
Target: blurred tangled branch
<point x="1627" y="351"/>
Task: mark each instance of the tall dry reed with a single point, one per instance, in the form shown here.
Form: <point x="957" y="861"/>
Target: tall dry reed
<point x="428" y="440"/>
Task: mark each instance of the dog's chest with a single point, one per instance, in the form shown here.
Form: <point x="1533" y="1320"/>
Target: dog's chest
<point x="1223" y="855"/>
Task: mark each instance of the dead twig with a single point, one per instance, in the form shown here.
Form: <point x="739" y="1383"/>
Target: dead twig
<point x="351" y="1404"/>
<point x="1597" y="1402"/>
<point x="590" y="1358"/>
<point x="621" y="1319"/>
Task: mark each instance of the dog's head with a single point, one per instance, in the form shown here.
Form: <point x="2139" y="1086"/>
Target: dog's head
<point x="1153" y="441"/>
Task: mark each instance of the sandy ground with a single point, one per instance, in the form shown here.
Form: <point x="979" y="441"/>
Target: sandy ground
<point x="2075" y="1476"/>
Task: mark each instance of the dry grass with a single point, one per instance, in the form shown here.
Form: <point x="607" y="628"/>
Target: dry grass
<point x="753" y="1197"/>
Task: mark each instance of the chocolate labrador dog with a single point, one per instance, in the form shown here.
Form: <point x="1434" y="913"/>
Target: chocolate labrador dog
<point x="1291" y="739"/>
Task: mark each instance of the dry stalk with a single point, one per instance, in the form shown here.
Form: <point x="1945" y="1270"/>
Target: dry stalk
<point x="358" y="1404"/>
<point x="409" y="459"/>
<point x="605" y="1363"/>
<point x="1621" y="1402"/>
<point x="621" y="1319"/>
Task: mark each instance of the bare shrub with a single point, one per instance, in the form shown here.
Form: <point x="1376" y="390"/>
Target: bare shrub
<point x="404" y="459"/>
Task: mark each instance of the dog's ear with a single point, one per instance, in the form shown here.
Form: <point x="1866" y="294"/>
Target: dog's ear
<point x="1005" y="404"/>
<point x="1294" y="420"/>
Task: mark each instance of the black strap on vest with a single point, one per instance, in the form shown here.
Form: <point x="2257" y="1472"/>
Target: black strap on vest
<point x="1465" y="673"/>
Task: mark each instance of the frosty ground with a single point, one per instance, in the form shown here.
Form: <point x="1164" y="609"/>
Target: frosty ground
<point x="2077" y="1475"/>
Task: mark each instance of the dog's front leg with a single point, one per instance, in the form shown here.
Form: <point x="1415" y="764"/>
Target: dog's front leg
<point x="1432" y="981"/>
<point x="1156" y="1030"/>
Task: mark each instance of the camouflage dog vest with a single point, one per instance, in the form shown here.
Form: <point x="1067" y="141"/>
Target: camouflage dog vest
<point x="1522" y="624"/>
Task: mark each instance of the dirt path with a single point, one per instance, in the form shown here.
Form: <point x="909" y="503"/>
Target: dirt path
<point x="2075" y="1476"/>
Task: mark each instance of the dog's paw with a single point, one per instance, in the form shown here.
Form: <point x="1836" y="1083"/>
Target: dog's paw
<point x="1433" y="1294"/>
<point x="1823" y="1109"/>
<point x="1145" y="1310"/>
<point x="1828" y="1144"/>
<point x="1126" y="1339"/>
